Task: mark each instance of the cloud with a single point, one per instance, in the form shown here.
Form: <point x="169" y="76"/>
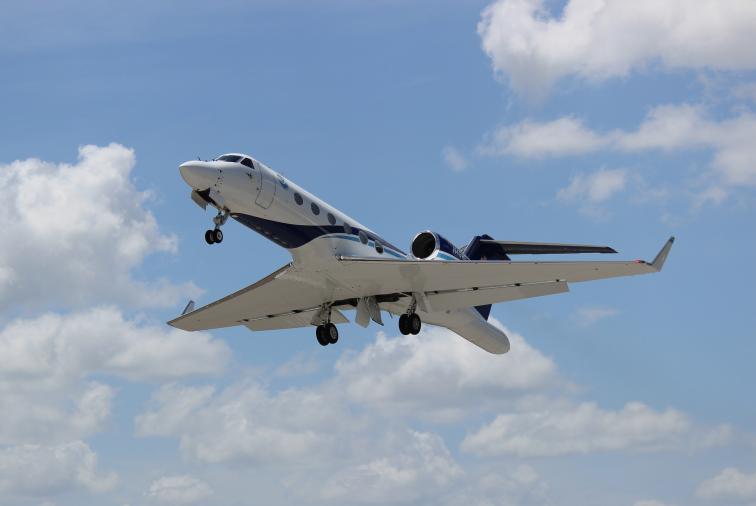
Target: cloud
<point x="439" y="375"/>
<point x="45" y="363"/>
<point x="729" y="484"/>
<point x="179" y="489"/>
<point x="578" y="429"/>
<point x="411" y="464"/>
<point x="595" y="40"/>
<point x="650" y="502"/>
<point x="665" y="128"/>
<point x="75" y="233"/>
<point x="530" y="139"/>
<point x="595" y="187"/>
<point x="454" y="159"/>
<point x="35" y="470"/>
<point x="590" y="315"/>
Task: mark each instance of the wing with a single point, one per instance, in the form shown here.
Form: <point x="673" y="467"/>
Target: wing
<point x="544" y="248"/>
<point x="498" y="278"/>
<point x="278" y="299"/>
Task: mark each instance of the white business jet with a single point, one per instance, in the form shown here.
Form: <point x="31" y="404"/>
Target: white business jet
<point x="339" y="264"/>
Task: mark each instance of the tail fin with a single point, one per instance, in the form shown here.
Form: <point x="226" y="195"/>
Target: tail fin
<point x="478" y="249"/>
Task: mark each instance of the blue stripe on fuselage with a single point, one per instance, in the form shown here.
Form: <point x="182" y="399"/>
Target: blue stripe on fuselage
<point x="290" y="235"/>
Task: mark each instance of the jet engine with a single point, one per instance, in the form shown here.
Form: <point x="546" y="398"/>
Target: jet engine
<point x="429" y="245"/>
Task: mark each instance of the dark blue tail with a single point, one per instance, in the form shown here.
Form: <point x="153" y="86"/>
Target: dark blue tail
<point x="476" y="250"/>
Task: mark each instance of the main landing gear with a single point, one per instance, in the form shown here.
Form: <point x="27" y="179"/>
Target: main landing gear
<point x="327" y="334"/>
<point x="216" y="235"/>
<point x="410" y="323"/>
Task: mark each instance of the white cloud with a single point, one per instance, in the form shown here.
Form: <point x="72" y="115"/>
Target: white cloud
<point x="179" y="489"/>
<point x="666" y="127"/>
<point x="454" y="159"/>
<point x="582" y="428"/>
<point x="589" y="315"/>
<point x="601" y="39"/>
<point x="530" y="139"/>
<point x="439" y="375"/>
<point x="34" y="470"/>
<point x="45" y="362"/>
<point x="595" y="187"/>
<point x="729" y="484"/>
<point x="75" y="232"/>
<point x="411" y="465"/>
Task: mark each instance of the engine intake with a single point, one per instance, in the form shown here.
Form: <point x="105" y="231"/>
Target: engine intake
<point x="429" y="245"/>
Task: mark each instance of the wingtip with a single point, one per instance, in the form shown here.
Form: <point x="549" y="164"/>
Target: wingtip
<point x="661" y="257"/>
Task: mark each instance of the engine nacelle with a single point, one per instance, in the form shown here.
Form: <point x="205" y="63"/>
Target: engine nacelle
<point x="429" y="245"/>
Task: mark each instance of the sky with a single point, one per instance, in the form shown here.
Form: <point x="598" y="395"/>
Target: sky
<point x="586" y="121"/>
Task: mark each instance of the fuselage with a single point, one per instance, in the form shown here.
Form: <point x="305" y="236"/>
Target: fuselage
<point x="283" y="212"/>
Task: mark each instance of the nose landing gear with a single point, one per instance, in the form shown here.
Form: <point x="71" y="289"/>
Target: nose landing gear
<point x="216" y="235"/>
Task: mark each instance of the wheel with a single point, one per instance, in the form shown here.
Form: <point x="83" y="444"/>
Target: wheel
<point x="332" y="333"/>
<point x="414" y="324"/>
<point x="209" y="237"/>
<point x="404" y="324"/>
<point x="320" y="334"/>
<point x="218" y="235"/>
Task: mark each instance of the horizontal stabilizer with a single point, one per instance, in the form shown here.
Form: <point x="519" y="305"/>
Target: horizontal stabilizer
<point x="545" y="248"/>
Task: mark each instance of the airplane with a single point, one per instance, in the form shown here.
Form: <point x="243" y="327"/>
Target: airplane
<point x="340" y="264"/>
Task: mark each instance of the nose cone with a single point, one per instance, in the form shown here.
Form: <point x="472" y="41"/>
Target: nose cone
<point x="199" y="175"/>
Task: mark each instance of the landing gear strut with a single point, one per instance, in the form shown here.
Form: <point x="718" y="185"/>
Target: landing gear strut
<point x="410" y="323"/>
<point x="215" y="235"/>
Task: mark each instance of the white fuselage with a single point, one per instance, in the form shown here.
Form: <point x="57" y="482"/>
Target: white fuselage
<point x="313" y="231"/>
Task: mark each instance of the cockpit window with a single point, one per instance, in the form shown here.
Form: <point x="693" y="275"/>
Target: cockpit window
<point x="247" y="162"/>
<point x="229" y="158"/>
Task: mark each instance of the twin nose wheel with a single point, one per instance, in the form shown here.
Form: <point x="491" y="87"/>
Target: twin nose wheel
<point x="214" y="236"/>
<point x="410" y="324"/>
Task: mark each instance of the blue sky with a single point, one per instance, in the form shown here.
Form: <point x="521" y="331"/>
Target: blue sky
<point x="579" y="121"/>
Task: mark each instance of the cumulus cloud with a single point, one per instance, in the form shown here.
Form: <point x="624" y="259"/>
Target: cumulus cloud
<point x="410" y="465"/>
<point x="454" y="159"/>
<point x="34" y="470"/>
<point x="596" y="40"/>
<point x="75" y="233"/>
<point x="45" y="363"/>
<point x="582" y="428"/>
<point x="595" y="187"/>
<point x="439" y="375"/>
<point x="179" y="489"/>
<point x="665" y="128"/>
<point x="589" y="315"/>
<point x="729" y="484"/>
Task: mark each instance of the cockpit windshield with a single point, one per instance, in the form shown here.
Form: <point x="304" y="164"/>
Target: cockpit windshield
<point x="229" y="158"/>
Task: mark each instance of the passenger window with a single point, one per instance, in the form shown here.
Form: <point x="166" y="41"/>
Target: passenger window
<point x="247" y="162"/>
<point x="363" y="237"/>
<point x="315" y="208"/>
<point x="347" y="228"/>
<point x="331" y="219"/>
<point x="298" y="199"/>
<point x="378" y="247"/>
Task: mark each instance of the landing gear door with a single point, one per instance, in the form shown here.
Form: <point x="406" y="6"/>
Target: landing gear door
<point x="267" y="188"/>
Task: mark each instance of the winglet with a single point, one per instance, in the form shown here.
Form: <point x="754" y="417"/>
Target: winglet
<point x="661" y="257"/>
<point x="189" y="308"/>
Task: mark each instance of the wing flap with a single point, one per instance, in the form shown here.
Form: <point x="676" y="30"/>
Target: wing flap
<point x="457" y="299"/>
<point x="292" y="320"/>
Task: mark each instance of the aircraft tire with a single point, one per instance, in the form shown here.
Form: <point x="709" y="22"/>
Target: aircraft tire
<point x="218" y="235"/>
<point x="209" y="237"/>
<point x="414" y="324"/>
<point x="321" y="336"/>
<point x="332" y="333"/>
<point x="404" y="324"/>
